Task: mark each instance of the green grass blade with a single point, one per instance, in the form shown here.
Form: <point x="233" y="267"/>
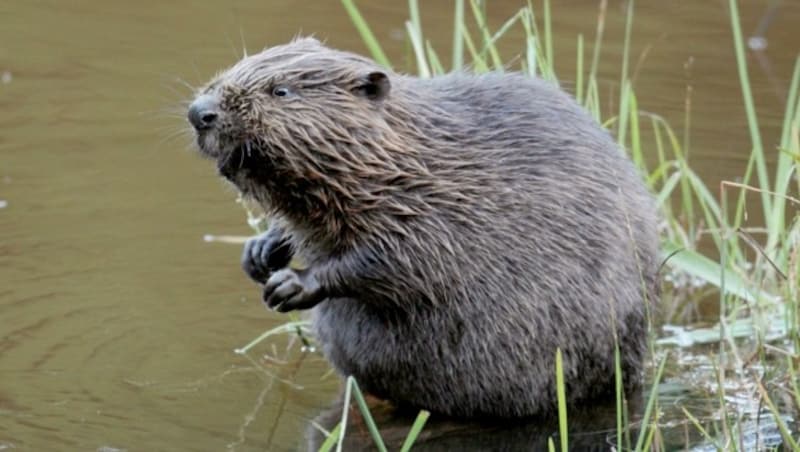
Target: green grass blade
<point x="348" y="392"/>
<point x="413" y="10"/>
<point x="458" y="39"/>
<point x="545" y="66"/>
<point x="663" y="195"/>
<point x="741" y="203"/>
<point x="419" y="51"/>
<point x="750" y="110"/>
<point x="785" y="166"/>
<point x="598" y="44"/>
<point x="579" y="71"/>
<point x="362" y="405"/>
<point x="700" y="429"/>
<point x="492" y="42"/>
<point x="562" y="402"/>
<point x="648" y="443"/>
<point x="625" y="87"/>
<point x="414" y="29"/>
<point x="786" y="433"/>
<point x="622" y="119"/>
<point x="479" y="63"/>
<point x="531" y="55"/>
<point x="651" y="401"/>
<point x="792" y="105"/>
<point x="331" y="440"/>
<point x="704" y="268"/>
<point x="593" y="99"/>
<point x="366" y="33"/>
<point x="687" y="205"/>
<point x="793" y="382"/>
<point x="288" y="327"/>
<point x="662" y="158"/>
<point x="436" y="64"/>
<point x="416" y="428"/>
<point x="548" y="38"/>
<point x="480" y="19"/>
<point x="636" y="149"/>
<point x="533" y="51"/>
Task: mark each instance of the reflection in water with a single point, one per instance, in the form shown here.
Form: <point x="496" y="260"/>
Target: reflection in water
<point x="591" y="428"/>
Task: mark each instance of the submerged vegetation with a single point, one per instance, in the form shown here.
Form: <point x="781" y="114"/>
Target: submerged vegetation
<point x="748" y="359"/>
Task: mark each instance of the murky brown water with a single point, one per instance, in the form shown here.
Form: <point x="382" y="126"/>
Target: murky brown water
<point x="117" y="321"/>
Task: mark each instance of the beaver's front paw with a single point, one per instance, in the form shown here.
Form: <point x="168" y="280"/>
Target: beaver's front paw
<point x="288" y="289"/>
<point x="266" y="254"/>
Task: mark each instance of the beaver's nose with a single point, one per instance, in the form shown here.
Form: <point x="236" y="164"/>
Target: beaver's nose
<point x="203" y="112"/>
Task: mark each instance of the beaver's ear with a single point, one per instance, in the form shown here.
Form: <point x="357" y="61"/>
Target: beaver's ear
<point x="373" y="86"/>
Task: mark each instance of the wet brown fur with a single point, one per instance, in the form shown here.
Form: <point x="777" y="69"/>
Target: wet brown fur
<point x="464" y="226"/>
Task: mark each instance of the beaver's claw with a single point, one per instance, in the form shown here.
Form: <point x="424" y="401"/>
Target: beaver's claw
<point x="288" y="289"/>
<point x="266" y="254"/>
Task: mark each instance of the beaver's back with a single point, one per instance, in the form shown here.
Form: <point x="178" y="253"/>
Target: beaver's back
<point x="545" y="185"/>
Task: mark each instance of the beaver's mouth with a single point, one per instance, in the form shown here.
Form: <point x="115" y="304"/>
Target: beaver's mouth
<point x="209" y="145"/>
<point x="229" y="156"/>
<point x="236" y="159"/>
<point x="243" y="161"/>
<point x="231" y="163"/>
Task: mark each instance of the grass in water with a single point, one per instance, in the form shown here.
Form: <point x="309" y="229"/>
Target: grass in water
<point x="336" y="436"/>
<point x="757" y="273"/>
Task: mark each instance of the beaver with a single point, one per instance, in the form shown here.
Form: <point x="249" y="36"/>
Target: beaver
<point x="455" y="231"/>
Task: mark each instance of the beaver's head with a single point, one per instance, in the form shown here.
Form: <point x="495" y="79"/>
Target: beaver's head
<point x="299" y="111"/>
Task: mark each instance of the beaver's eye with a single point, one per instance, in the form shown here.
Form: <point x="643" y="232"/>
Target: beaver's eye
<point x="280" y="91"/>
